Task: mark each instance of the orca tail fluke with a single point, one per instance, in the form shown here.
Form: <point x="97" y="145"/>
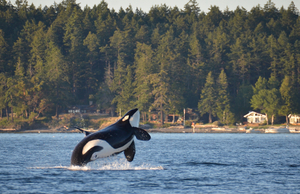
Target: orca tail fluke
<point x="86" y="133"/>
<point x="141" y="134"/>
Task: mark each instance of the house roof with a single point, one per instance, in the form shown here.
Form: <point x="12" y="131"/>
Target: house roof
<point x="296" y="115"/>
<point x="253" y="112"/>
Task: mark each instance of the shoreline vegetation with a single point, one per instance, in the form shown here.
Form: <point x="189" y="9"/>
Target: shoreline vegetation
<point x="66" y="123"/>
<point x="172" y="129"/>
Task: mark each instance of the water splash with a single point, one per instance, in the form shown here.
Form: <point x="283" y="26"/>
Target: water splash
<point x="106" y="165"/>
<point x="113" y="164"/>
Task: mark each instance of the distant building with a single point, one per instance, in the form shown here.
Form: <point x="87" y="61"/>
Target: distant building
<point x="82" y="109"/>
<point x="254" y="117"/>
<point x="294" y="119"/>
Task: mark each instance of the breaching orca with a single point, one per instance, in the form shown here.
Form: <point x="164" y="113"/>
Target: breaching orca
<point x="111" y="140"/>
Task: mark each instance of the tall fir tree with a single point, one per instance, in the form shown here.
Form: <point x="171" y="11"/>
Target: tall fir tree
<point x="287" y="104"/>
<point x="223" y="102"/>
<point x="125" y="100"/>
<point x="144" y="57"/>
<point x="208" y="98"/>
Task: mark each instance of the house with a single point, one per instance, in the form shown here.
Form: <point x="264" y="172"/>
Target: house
<point x="294" y="119"/>
<point x="82" y="109"/>
<point x="254" y="117"/>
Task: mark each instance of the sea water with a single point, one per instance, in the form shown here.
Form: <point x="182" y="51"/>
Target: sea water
<point x="168" y="163"/>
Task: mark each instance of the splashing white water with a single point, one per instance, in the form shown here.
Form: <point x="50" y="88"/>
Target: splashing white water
<point x="112" y="164"/>
<point x="106" y="164"/>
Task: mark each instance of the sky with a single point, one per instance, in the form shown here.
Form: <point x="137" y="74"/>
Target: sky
<point x="145" y="6"/>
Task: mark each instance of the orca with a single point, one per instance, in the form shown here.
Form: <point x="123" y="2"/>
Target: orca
<point x="111" y="140"/>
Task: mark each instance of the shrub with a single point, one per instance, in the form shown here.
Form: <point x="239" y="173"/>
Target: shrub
<point x="218" y="123"/>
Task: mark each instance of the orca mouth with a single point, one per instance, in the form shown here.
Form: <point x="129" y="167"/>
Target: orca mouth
<point x="75" y="162"/>
<point x="79" y="159"/>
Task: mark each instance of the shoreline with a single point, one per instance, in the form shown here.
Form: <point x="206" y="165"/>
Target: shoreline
<point x="156" y="130"/>
<point x="151" y="130"/>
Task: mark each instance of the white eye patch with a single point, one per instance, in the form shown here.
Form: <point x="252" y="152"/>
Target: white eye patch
<point x="125" y="118"/>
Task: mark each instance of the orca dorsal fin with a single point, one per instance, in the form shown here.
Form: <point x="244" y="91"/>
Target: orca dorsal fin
<point x="130" y="152"/>
<point x="86" y="133"/>
<point x="141" y="134"/>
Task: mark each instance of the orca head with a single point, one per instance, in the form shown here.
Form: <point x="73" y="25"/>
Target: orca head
<point x="85" y="153"/>
<point x="133" y="117"/>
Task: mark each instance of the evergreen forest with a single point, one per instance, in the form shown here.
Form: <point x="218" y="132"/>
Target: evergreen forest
<point x="222" y="64"/>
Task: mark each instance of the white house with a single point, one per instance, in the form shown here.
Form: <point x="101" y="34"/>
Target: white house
<point x="294" y="119"/>
<point x="254" y="117"/>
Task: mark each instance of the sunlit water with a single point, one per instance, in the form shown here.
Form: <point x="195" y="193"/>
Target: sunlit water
<point x="168" y="163"/>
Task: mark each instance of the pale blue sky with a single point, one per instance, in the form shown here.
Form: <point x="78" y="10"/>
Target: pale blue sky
<point x="146" y="5"/>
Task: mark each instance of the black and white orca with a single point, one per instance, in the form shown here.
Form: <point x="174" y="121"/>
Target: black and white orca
<point x="111" y="140"/>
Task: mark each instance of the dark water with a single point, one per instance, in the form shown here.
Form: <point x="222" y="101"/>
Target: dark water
<point x="168" y="163"/>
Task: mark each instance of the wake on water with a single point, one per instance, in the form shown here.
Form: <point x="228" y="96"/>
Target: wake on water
<point x="106" y="164"/>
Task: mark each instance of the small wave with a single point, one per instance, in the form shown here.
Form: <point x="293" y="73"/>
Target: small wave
<point x="106" y="165"/>
<point x="206" y="164"/>
<point x="294" y="165"/>
<point x="49" y="167"/>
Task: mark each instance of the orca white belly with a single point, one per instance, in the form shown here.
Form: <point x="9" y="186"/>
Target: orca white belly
<point x="107" y="150"/>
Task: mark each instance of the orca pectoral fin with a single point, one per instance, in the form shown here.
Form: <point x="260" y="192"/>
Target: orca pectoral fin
<point x="130" y="152"/>
<point x="86" y="133"/>
<point x="141" y="134"/>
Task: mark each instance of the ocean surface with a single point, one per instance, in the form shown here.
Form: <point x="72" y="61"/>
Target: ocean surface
<point x="168" y="163"/>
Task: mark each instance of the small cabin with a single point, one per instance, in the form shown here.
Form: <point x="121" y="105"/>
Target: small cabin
<point x="254" y="117"/>
<point x="294" y="119"/>
<point x="82" y="109"/>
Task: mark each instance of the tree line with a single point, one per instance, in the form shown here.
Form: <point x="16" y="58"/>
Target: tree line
<point x="222" y="63"/>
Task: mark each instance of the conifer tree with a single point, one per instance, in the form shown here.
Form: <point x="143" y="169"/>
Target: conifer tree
<point x="119" y="45"/>
<point x="93" y="70"/>
<point x="10" y="98"/>
<point x="295" y="33"/>
<point x="161" y="79"/>
<point x="287" y="106"/>
<point x="73" y="43"/>
<point x="160" y="84"/>
<point x="195" y="76"/>
<point x="241" y="60"/>
<point x="125" y="100"/>
<point x="57" y="81"/>
<point x="104" y="96"/>
<point x="144" y="57"/>
<point x="3" y="53"/>
<point x="207" y="103"/>
<point x="37" y="51"/>
<point x="3" y="88"/>
<point x="223" y="104"/>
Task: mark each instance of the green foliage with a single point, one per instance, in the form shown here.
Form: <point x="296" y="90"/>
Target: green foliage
<point x="208" y="98"/>
<point x="161" y="61"/>
<point x="223" y="102"/>
<point x="267" y="97"/>
<point x="287" y="95"/>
